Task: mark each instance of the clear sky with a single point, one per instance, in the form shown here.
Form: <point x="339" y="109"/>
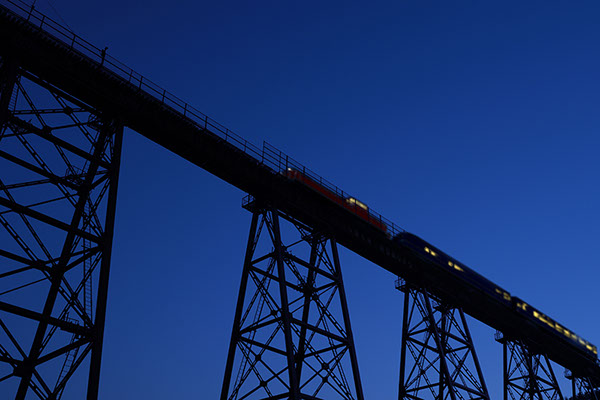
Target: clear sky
<point x="473" y="124"/>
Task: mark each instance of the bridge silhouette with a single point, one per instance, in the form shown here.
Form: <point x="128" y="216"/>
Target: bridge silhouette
<point x="292" y="335"/>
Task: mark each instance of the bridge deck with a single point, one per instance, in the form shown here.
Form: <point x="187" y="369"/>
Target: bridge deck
<point x="82" y="71"/>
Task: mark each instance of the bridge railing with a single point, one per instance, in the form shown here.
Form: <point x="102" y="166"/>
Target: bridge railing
<point x="281" y="162"/>
<point x="269" y="156"/>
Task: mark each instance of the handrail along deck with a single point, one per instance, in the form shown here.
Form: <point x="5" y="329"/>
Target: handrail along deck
<point x="268" y="156"/>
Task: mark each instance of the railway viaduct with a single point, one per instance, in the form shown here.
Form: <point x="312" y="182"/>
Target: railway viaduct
<point x="63" y="106"/>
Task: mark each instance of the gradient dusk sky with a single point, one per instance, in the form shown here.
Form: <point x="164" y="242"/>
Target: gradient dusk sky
<point x="473" y="124"/>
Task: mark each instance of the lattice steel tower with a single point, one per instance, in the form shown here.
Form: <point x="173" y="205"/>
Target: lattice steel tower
<point x="438" y="359"/>
<point x="288" y="339"/>
<point x="59" y="166"/>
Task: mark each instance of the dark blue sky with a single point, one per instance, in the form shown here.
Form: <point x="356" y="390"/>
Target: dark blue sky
<point x="473" y="124"/>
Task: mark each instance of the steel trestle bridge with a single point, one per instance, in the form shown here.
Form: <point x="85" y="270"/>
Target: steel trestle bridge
<point x="63" y="106"/>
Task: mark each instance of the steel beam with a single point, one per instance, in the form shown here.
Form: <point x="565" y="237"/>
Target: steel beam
<point x="527" y="374"/>
<point x="438" y="359"/>
<point x="287" y="341"/>
<point x="582" y="387"/>
<point x="98" y="330"/>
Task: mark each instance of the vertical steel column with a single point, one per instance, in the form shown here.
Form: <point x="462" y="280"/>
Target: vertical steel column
<point x="102" y="298"/>
<point x="286" y="339"/>
<point x="237" y="321"/>
<point x="406" y="318"/>
<point x="286" y="314"/>
<point x="527" y="375"/>
<point x="504" y="369"/>
<point x="59" y="166"/>
<point x="346" y="315"/>
<point x="310" y="281"/>
<point x="436" y="338"/>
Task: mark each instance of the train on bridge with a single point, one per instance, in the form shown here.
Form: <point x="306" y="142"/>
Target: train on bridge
<point x="442" y="260"/>
<point x="52" y="56"/>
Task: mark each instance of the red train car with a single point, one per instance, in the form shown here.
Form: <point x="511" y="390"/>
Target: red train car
<point x="350" y="203"/>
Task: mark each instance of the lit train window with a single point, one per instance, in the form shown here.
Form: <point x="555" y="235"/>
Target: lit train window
<point x="567" y="333"/>
<point x="504" y="294"/>
<point x="544" y="319"/>
<point x="560" y="329"/>
<point x="428" y="250"/>
<point x="352" y="201"/>
<point x="456" y="267"/>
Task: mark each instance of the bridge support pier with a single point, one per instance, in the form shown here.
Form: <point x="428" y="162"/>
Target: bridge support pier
<point x="287" y="340"/>
<point x="59" y="167"/>
<point x="527" y="375"/>
<point x="438" y="359"/>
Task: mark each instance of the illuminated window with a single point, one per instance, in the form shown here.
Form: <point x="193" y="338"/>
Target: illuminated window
<point x="456" y="266"/>
<point x="559" y="328"/>
<point x="428" y="250"/>
<point x="353" y="201"/>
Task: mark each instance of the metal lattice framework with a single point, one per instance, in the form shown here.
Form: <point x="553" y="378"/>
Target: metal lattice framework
<point x="287" y="341"/>
<point x="438" y="359"/>
<point x="582" y="387"/>
<point x="59" y="164"/>
<point x="527" y="375"/>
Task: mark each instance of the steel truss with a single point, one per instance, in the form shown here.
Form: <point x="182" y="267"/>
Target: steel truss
<point x="287" y="341"/>
<point x="582" y="387"/>
<point x="59" y="166"/>
<point x="527" y="375"/>
<point x="436" y="342"/>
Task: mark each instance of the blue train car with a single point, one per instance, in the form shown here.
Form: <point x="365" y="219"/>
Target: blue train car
<point x="547" y="323"/>
<point x="445" y="261"/>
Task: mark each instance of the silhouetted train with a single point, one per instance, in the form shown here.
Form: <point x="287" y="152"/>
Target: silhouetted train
<point x="443" y="260"/>
<point x="350" y="203"/>
<point x="537" y="317"/>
